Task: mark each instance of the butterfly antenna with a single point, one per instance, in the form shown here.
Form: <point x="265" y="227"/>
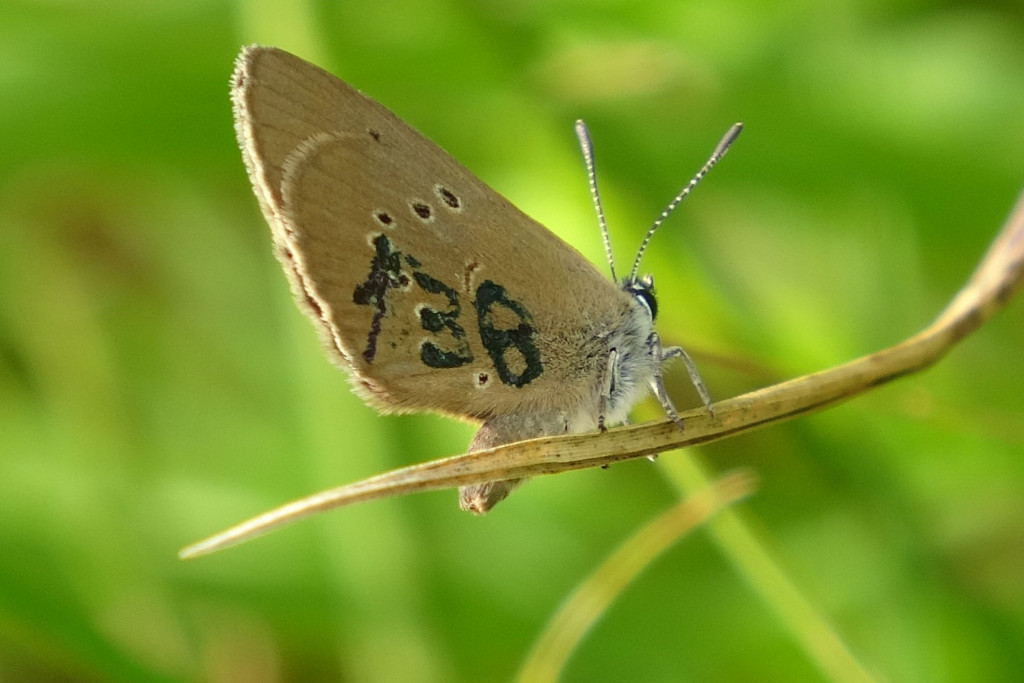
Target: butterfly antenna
<point x="587" y="147"/>
<point x="720" y="150"/>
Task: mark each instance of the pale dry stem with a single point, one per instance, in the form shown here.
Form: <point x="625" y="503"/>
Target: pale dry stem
<point x="995" y="280"/>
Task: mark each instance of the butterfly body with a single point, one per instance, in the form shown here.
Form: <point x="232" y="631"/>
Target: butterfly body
<point x="432" y="290"/>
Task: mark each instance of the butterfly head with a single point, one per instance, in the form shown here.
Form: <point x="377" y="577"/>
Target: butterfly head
<point x="642" y="290"/>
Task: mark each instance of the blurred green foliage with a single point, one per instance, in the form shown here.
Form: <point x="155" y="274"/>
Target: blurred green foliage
<point x="157" y="383"/>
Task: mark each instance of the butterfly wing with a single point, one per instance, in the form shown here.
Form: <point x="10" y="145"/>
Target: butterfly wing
<point x="433" y="290"/>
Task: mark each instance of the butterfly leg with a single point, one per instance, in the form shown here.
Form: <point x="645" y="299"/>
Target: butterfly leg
<point x="607" y="385"/>
<point x="657" y="383"/>
<point x="671" y="352"/>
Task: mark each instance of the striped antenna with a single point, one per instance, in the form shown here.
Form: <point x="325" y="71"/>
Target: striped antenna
<point x="587" y="147"/>
<point x="720" y="150"/>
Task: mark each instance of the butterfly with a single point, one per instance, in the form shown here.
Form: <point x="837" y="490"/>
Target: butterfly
<point x="429" y="288"/>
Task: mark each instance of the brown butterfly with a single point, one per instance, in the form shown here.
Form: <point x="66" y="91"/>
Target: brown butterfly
<point x="433" y="291"/>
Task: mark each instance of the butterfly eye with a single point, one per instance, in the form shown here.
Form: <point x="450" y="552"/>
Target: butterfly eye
<point x="643" y="291"/>
<point x="647" y="296"/>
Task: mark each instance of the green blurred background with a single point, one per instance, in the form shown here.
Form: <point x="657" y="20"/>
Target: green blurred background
<point x="157" y="383"/>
